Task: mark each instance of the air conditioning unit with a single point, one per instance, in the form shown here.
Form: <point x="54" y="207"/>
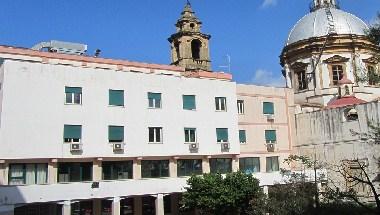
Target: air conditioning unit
<point x="75" y="147"/>
<point x="270" y="147"/>
<point x="225" y="146"/>
<point x="193" y="147"/>
<point x="118" y="146"/>
<point x="270" y="117"/>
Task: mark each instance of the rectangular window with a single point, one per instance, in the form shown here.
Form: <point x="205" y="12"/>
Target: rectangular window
<point x="189" y="167"/>
<point x="115" y="170"/>
<point x="222" y="135"/>
<point x="268" y="108"/>
<point x="27" y="174"/>
<point x="190" y="135"/>
<point x="154" y="168"/>
<point x="188" y="102"/>
<point x="220" y="104"/>
<point x="220" y="165"/>
<point x="301" y="80"/>
<point x="272" y="164"/>
<point x="72" y="133"/>
<point x="116" y="97"/>
<point x="372" y="76"/>
<point x="249" y="165"/>
<point x="74" y="172"/>
<point x="154" y="100"/>
<point x="240" y="106"/>
<point x="337" y="73"/>
<point x="242" y="137"/>
<point x="115" y="134"/>
<point x="155" y="134"/>
<point x="270" y="136"/>
<point x="73" y="95"/>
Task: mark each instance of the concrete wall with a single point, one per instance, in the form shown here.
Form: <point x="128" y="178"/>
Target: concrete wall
<point x="254" y="122"/>
<point x="34" y="112"/>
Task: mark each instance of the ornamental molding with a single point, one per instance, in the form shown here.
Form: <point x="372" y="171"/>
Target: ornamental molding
<point x="298" y="65"/>
<point x="336" y="59"/>
<point x="371" y="60"/>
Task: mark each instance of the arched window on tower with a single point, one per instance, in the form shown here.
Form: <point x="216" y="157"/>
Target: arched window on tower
<point x="196" y="49"/>
<point x="176" y="46"/>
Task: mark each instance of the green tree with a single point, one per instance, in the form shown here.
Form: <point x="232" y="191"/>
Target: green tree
<point x="374" y="31"/>
<point x="236" y="193"/>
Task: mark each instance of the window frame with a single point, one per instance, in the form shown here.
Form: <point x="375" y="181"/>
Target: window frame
<point x="225" y="169"/>
<point x="116" y="127"/>
<point x="240" y="106"/>
<point x="265" y="111"/>
<point x="73" y="96"/>
<point x="271" y="159"/>
<point x="72" y="167"/>
<point x="183" y="102"/>
<point x="245" y="136"/>
<point x="109" y="98"/>
<point x="125" y="166"/>
<point x="187" y="131"/>
<point x="24" y="173"/>
<point x="154" y="101"/>
<point x="371" y="69"/>
<point x="302" y="83"/>
<point x="338" y="75"/>
<point x="244" y="167"/>
<point x="72" y="139"/>
<point x="155" y="135"/>
<point x="217" y="135"/>
<point x="187" y="163"/>
<point x="268" y="141"/>
<point x="219" y="102"/>
<point x="162" y="164"/>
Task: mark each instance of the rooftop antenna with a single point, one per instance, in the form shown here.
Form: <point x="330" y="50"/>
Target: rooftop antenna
<point x="228" y="66"/>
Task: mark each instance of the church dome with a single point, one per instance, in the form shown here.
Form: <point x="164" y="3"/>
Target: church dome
<point x="319" y="22"/>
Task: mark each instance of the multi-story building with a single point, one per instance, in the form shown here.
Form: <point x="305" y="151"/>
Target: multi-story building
<point x="88" y="135"/>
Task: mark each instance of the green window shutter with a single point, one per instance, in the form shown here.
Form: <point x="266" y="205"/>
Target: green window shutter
<point x="154" y="96"/>
<point x="73" y="89"/>
<point x="72" y="131"/>
<point x="154" y="100"/>
<point x="268" y="108"/>
<point x="188" y="102"/>
<point x="116" y="97"/>
<point x="116" y="133"/>
<point x="270" y="135"/>
<point x="222" y="134"/>
<point x="242" y="136"/>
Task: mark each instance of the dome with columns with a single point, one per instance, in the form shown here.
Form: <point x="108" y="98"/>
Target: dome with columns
<point x="325" y="18"/>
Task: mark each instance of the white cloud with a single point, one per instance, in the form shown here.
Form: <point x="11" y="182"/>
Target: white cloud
<point x="268" y="3"/>
<point x="268" y="78"/>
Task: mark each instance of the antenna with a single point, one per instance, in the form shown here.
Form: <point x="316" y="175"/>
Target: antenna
<point x="228" y="66"/>
<point x="188" y="2"/>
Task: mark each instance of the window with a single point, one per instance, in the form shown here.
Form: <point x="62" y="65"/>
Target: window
<point x="220" y="165"/>
<point x="27" y="174"/>
<point x="116" y="97"/>
<point x="372" y="77"/>
<point x="154" y="100"/>
<point x="196" y="49"/>
<point x="220" y="104"/>
<point x="301" y="80"/>
<point x="155" y="135"/>
<point x="242" y="137"/>
<point x="337" y="73"/>
<point x="114" y="170"/>
<point x="154" y="168"/>
<point x="190" y="135"/>
<point x="74" y="172"/>
<point x="73" y="95"/>
<point x="240" y="106"/>
<point x="249" y="165"/>
<point x="222" y="135"/>
<point x="272" y="164"/>
<point x="188" y="102"/>
<point x="72" y="133"/>
<point x="189" y="167"/>
<point x="115" y="134"/>
<point x="270" y="136"/>
<point x="268" y="108"/>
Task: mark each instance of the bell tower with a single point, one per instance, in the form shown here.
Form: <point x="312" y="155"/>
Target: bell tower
<point x="189" y="46"/>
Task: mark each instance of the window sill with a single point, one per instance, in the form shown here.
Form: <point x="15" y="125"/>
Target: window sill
<point x="190" y="109"/>
<point x="155" y="142"/>
<point x="241" y="114"/>
<point x="73" y="104"/>
<point x="116" y="106"/>
<point x="220" y="110"/>
<point x="154" y="108"/>
<point x="190" y="142"/>
<point x="243" y="143"/>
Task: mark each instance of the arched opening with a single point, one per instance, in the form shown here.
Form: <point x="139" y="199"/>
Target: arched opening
<point x="196" y="49"/>
<point x="351" y="114"/>
<point x="176" y="46"/>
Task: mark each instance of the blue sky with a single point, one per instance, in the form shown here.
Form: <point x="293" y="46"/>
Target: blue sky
<point x="252" y="32"/>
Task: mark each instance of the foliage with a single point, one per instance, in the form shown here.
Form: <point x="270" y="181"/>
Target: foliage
<point x="236" y="193"/>
<point x="374" y="31"/>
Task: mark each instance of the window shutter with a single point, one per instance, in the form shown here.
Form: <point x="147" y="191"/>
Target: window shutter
<point x="73" y="89"/>
<point x="116" y="133"/>
<point x="188" y="102"/>
<point x="242" y="136"/>
<point x="222" y="134"/>
<point x="268" y="108"/>
<point x="73" y="131"/>
<point x="116" y="97"/>
<point x="154" y="96"/>
<point x="270" y="135"/>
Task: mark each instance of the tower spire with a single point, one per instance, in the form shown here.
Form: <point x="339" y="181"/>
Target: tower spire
<point x="317" y="4"/>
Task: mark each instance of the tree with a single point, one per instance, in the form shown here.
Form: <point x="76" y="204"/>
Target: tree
<point x="236" y="193"/>
<point x="374" y="31"/>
